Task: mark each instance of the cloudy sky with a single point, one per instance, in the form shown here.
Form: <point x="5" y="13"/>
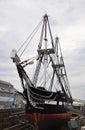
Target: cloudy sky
<point x="18" y="18"/>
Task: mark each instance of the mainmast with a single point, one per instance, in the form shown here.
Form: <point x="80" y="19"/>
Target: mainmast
<point x="43" y="50"/>
<point x="45" y="54"/>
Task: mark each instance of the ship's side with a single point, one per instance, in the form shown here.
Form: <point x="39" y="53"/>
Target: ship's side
<point x="47" y="114"/>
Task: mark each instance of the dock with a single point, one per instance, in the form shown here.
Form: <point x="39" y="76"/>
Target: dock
<point x="14" y="119"/>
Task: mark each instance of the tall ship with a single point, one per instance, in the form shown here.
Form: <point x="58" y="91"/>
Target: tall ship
<point x="47" y="93"/>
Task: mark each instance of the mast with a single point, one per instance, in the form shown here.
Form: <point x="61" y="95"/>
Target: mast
<point x="45" y="54"/>
<point x="43" y="50"/>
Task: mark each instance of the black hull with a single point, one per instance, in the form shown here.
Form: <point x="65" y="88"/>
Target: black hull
<point x="46" y="108"/>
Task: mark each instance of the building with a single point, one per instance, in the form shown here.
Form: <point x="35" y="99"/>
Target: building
<point x="9" y="96"/>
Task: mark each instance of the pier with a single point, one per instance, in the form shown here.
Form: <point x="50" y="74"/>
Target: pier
<point x="14" y="119"/>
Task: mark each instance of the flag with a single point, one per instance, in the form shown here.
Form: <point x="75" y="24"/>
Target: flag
<point x="31" y="62"/>
<point x="38" y="58"/>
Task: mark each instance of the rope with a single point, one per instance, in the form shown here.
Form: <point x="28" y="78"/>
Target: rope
<point x="67" y="84"/>
<point x="42" y="96"/>
<point x="28" y="60"/>
<point x="33" y="33"/>
<point x="40" y="99"/>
